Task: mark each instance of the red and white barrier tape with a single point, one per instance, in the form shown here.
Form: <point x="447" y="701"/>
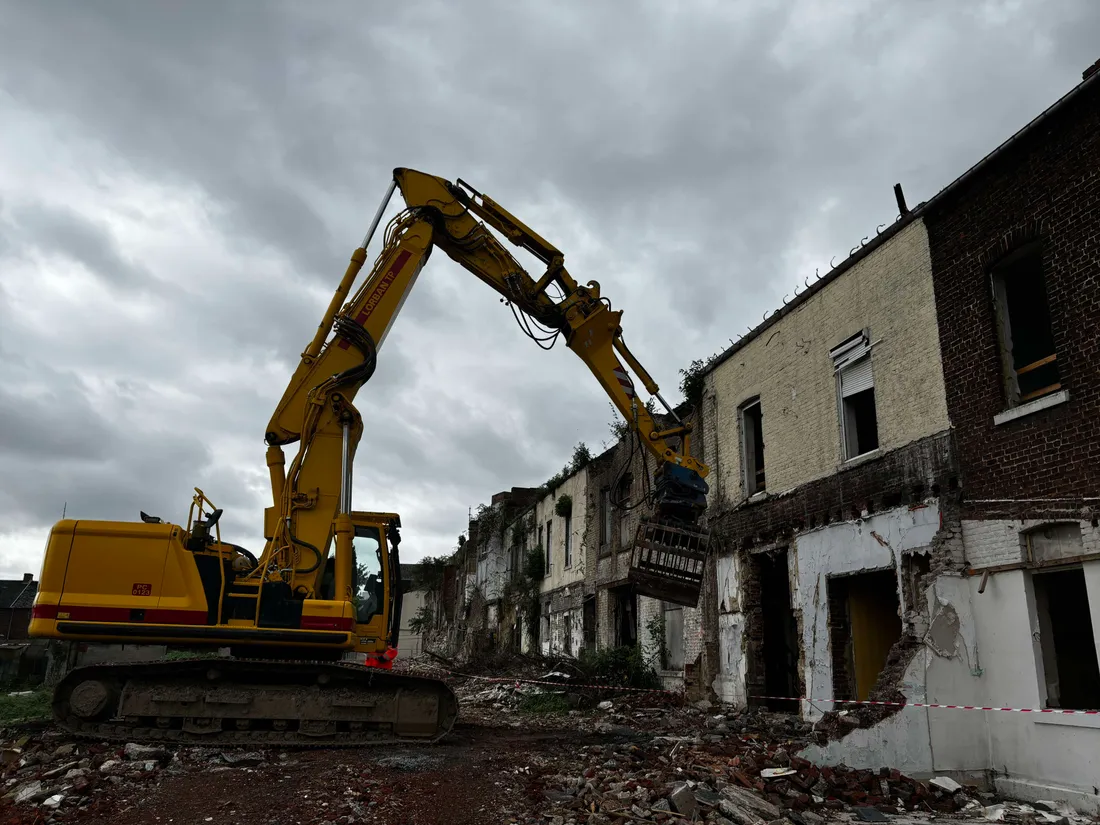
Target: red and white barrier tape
<point x="926" y="705"/>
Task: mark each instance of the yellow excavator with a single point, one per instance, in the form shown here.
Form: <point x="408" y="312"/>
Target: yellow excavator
<point x="312" y="634"/>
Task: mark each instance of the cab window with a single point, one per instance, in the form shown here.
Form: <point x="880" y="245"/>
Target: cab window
<point x="367" y="581"/>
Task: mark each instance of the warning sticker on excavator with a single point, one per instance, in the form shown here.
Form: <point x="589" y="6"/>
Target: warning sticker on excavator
<point x="142" y="589"/>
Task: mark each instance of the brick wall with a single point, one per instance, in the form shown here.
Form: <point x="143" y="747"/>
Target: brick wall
<point x="889" y="292"/>
<point x="905" y="475"/>
<point x="991" y="542"/>
<point x="1046" y="186"/>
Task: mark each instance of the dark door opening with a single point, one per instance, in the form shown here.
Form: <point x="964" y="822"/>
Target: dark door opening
<point x="625" y="606"/>
<point x="588" y="623"/>
<point x="780" y="649"/>
<point x="863" y="625"/>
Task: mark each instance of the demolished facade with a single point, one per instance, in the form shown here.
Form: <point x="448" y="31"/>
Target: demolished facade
<point x="905" y="492"/>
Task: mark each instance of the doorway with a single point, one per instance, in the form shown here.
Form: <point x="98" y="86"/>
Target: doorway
<point x="780" y="647"/>
<point x="864" y="623"/>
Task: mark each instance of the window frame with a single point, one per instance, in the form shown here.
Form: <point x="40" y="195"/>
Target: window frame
<point x="853" y="351"/>
<point x="1002" y="327"/>
<point x="748" y="450"/>
<point x="549" y="546"/>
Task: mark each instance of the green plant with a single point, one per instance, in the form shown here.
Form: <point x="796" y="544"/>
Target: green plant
<point x="619" y="667"/>
<point x="655" y="627"/>
<point x="693" y="381"/>
<point x="528" y="591"/>
<point x="544" y="703"/>
<point x="564" y="505"/>
<point x="421" y="620"/>
<point x="27" y="706"/>
<point x="620" y="427"/>
<point x="429" y="571"/>
<point x="581" y="457"/>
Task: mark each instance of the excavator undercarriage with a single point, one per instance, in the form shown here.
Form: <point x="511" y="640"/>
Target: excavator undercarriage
<point x="263" y="703"/>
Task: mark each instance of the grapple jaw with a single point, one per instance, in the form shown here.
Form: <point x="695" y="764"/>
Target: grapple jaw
<point x="668" y="558"/>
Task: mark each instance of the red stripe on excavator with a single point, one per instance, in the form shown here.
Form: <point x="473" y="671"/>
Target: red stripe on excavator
<point x="379" y="291"/>
<point x="121" y="615"/>
<point x="326" y="623"/>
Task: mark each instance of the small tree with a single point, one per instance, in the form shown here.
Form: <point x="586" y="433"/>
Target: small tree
<point x="581" y="457"/>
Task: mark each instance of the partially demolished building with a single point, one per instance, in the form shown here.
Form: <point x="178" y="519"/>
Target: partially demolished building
<point x="905" y="490"/>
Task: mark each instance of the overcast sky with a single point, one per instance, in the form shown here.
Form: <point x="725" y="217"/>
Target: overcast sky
<point x="181" y="185"/>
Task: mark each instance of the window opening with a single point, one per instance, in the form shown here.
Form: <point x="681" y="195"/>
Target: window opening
<point x="549" y="524"/>
<point x="752" y="429"/>
<point x="858" y="417"/>
<point x="1028" y="359"/>
<point x="1065" y="639"/>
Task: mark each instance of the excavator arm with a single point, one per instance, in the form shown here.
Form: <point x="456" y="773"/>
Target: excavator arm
<point x="316" y="408"/>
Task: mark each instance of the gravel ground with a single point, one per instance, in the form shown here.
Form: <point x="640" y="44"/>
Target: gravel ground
<point x="633" y="759"/>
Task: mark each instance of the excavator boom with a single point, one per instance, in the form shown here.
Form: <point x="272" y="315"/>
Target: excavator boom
<point x="293" y="615"/>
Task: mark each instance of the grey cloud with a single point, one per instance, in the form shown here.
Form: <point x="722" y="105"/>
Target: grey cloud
<point x="59" y="230"/>
<point x="682" y="156"/>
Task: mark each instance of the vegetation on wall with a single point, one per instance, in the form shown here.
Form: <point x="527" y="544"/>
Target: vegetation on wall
<point x="655" y="628"/>
<point x="580" y="459"/>
<point x="564" y="506"/>
<point x="421" y="620"/>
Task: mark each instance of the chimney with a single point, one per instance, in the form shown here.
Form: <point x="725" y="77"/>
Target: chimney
<point x="1091" y="70"/>
<point x="28" y="577"/>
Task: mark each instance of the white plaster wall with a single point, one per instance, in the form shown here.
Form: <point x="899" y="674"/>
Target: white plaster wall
<point x="901" y="741"/>
<point x="922" y="741"/>
<point x="558" y="575"/>
<point x="1044" y="756"/>
<point x="409" y="645"/>
<point x="729" y="684"/>
<point x="849" y="547"/>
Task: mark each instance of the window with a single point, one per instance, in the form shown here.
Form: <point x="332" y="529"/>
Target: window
<point x="549" y="524"/>
<point x="1069" y="666"/>
<point x="547" y="565"/>
<point x="752" y="436"/>
<point x="568" y="539"/>
<point x="605" y="516"/>
<point x="567" y="634"/>
<point x="856" y="388"/>
<point x="622" y="498"/>
<point x="366" y="548"/>
<point x="1028" y="360"/>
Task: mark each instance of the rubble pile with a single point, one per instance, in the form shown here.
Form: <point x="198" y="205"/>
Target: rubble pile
<point x="740" y="768"/>
<point x="62" y="779"/>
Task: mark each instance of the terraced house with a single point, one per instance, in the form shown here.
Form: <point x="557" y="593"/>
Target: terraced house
<point x="905" y="490"/>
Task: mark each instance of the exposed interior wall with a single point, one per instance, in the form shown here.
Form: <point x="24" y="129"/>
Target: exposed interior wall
<point x="1036" y="756"/>
<point x="558" y="574"/>
<point x="874" y="543"/>
<point x="409" y="643"/>
<point x="729" y="683"/>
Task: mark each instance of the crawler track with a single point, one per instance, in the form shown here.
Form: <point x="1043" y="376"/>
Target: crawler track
<point x="252" y="702"/>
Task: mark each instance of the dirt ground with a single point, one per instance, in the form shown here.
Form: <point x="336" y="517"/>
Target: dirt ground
<point x="628" y="759"/>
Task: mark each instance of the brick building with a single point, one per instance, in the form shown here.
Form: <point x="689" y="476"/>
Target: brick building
<point x="834" y="483"/>
<point x="1015" y="245"/>
<point x="904" y="488"/>
<point x="16" y="601"/>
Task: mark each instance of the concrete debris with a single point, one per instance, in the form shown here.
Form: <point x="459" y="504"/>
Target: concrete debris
<point x="142" y="753"/>
<point x="946" y="783"/>
<point x="682" y="799"/>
